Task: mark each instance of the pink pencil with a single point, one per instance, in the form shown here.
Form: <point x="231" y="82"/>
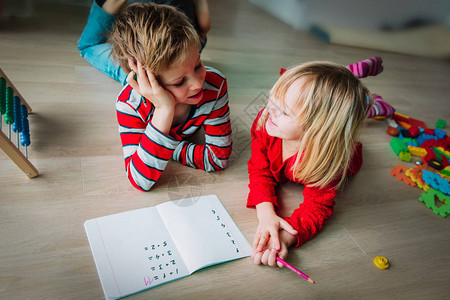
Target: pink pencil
<point x="295" y="270"/>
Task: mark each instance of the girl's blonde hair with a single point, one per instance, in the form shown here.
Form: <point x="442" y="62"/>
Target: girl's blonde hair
<point x="330" y="109"/>
<point x="156" y="35"/>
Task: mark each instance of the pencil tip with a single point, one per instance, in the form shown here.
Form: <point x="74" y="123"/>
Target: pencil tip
<point x="312" y="281"/>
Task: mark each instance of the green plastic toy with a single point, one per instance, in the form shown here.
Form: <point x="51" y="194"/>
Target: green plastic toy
<point x="398" y="146"/>
<point x="440" y="124"/>
<point x="405" y="156"/>
<point x="429" y="199"/>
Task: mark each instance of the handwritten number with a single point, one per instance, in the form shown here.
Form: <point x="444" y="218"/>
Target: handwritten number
<point x="148" y="281"/>
<point x="160" y="267"/>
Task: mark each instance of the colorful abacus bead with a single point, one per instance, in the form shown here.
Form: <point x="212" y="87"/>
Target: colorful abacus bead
<point x="25" y="134"/>
<point x="2" y="95"/>
<point x="17" y="125"/>
<point x="9" y="113"/>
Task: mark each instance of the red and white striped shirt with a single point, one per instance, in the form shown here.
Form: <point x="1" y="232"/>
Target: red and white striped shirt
<point x="147" y="150"/>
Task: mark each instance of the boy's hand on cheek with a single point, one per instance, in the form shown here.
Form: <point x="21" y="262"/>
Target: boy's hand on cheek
<point x="148" y="86"/>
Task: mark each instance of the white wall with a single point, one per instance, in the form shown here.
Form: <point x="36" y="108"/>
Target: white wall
<point x="364" y="14"/>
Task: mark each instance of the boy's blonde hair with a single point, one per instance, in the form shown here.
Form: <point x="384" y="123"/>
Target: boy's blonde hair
<point x="330" y="110"/>
<point x="156" y="35"/>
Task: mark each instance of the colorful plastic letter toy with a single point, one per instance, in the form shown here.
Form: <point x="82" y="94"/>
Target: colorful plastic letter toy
<point x="417" y="151"/>
<point x="399" y="173"/>
<point x="446" y="171"/>
<point x="381" y="262"/>
<point x="415" y="174"/>
<point x="398" y="146"/>
<point x="440" y="124"/>
<point x="437" y="182"/>
<point x="429" y="199"/>
<point x="405" y="156"/>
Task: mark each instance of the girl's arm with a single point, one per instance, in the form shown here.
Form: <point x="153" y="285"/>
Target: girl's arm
<point x="316" y="209"/>
<point x="268" y="256"/>
<point x="273" y="235"/>
<point x="318" y="203"/>
<point x="262" y="196"/>
<point x="214" y="154"/>
<point x="146" y="149"/>
<point x="262" y="183"/>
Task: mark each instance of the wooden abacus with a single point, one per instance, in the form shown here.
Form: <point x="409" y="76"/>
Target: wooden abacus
<point x="16" y="110"/>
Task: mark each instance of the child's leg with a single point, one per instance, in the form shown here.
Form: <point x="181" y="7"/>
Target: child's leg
<point x="367" y="67"/>
<point x="380" y="108"/>
<point x="92" y="43"/>
<point x="371" y="67"/>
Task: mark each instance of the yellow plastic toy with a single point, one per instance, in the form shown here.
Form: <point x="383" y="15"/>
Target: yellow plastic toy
<point x="381" y="262"/>
<point x="417" y="151"/>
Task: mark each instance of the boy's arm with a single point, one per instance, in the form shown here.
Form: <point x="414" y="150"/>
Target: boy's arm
<point x="146" y="149"/>
<point x="214" y="154"/>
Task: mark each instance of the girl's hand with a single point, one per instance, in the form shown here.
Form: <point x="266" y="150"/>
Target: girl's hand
<point x="148" y="86"/>
<point x="269" y="226"/>
<point x="269" y="255"/>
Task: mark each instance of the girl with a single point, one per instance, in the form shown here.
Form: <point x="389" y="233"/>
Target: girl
<point x="307" y="134"/>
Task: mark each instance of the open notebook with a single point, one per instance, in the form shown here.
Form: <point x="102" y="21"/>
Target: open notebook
<point x="143" y="248"/>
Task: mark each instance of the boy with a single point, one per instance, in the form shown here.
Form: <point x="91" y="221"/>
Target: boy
<point x="169" y="96"/>
<point x="97" y="52"/>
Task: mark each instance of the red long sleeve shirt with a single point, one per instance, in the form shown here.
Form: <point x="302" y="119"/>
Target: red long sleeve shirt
<point x="266" y="169"/>
<point x="147" y="150"/>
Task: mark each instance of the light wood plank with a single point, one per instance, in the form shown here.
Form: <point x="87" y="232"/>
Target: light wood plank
<point x="44" y="253"/>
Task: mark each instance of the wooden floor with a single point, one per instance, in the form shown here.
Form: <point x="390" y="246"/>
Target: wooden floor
<point x="44" y="252"/>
